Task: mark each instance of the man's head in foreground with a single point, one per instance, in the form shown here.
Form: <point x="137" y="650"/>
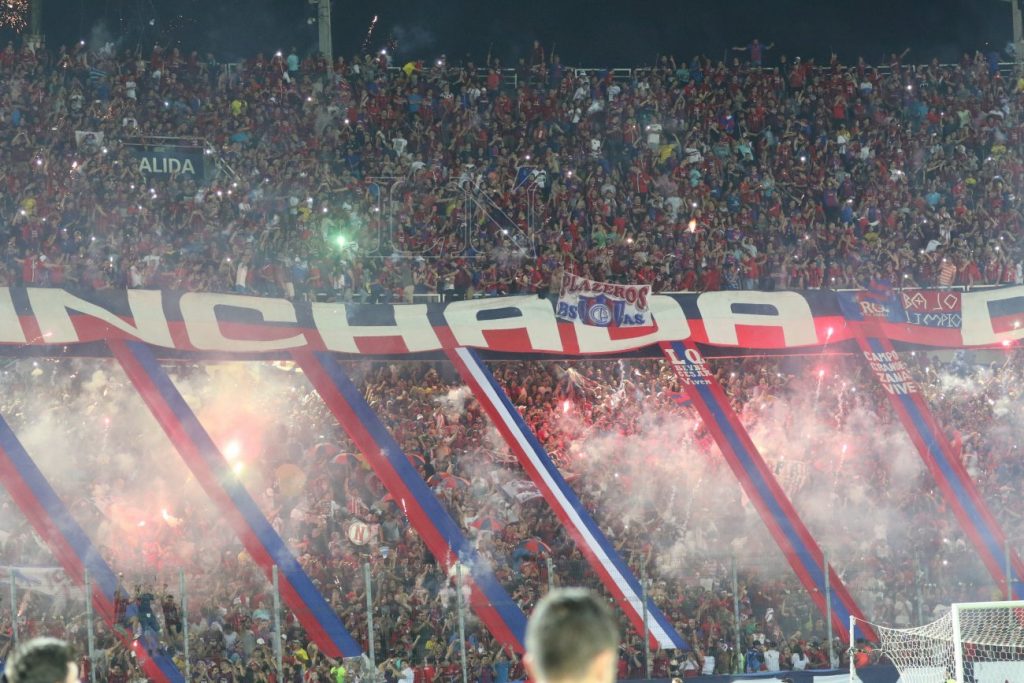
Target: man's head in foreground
<point x="42" y="660"/>
<point x="572" y="637"/>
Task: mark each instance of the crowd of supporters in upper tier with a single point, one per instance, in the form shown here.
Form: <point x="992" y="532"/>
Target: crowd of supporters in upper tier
<point x="379" y="181"/>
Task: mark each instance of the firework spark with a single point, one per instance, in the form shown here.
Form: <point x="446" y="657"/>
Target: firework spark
<point x="369" y="33"/>
<point x="14" y="14"/>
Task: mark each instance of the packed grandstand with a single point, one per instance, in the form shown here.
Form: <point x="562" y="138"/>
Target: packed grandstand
<point x="383" y="183"/>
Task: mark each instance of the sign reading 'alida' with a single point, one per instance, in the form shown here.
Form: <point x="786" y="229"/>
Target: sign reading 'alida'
<point x="523" y="325"/>
<point x="170" y="159"/>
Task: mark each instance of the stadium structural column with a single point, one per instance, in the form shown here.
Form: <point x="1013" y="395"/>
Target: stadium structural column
<point x="326" y="43"/>
<point x="35" y="38"/>
<point x="499" y="613"/>
<point x="275" y="581"/>
<point x="609" y="566"/>
<point x="12" y="584"/>
<point x="70" y="545"/>
<point x="736" y="605"/>
<point x="758" y="482"/>
<point x="958" y="489"/>
<point x="90" y="629"/>
<point x="183" y="599"/>
<point x="213" y="473"/>
<point x="371" y="644"/>
<point x="1017" y="22"/>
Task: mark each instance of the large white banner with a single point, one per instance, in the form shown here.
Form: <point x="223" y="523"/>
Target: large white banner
<point x="603" y="304"/>
<point x="50" y="581"/>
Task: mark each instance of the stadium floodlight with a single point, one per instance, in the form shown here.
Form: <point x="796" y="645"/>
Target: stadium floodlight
<point x="975" y="642"/>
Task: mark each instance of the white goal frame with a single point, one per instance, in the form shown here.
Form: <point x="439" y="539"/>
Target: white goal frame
<point x="956" y="610"/>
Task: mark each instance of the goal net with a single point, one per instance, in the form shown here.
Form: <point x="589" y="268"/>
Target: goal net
<point x="972" y="643"/>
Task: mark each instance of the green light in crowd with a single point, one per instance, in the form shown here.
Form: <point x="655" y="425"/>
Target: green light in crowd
<point x="340" y="239"/>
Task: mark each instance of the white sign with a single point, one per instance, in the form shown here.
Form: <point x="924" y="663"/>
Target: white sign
<point x="603" y="304"/>
<point x="361" y="533"/>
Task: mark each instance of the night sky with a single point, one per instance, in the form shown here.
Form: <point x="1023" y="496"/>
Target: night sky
<point x="587" y="32"/>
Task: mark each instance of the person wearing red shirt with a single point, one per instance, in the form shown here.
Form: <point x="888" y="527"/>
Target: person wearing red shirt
<point x="969" y="273"/>
<point x="427" y="672"/>
<point x="711" y="279"/>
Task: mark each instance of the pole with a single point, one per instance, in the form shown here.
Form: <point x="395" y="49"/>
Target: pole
<point x="1018" y="33"/>
<point x="853" y="648"/>
<point x="36" y="25"/>
<point x="828" y="610"/>
<point x="278" y="657"/>
<point x="920" y="595"/>
<point x="183" y="596"/>
<point x="647" y="630"/>
<point x="958" y="649"/>
<point x="1008" y="569"/>
<point x="462" y="620"/>
<point x="551" y="573"/>
<point x="14" y="604"/>
<point x="369" y="616"/>
<point x="90" y="630"/>
<point x="324" y="26"/>
<point x="736" y="612"/>
<point x="1009" y="579"/>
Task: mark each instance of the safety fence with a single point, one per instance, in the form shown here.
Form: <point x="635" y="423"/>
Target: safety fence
<point x="420" y="620"/>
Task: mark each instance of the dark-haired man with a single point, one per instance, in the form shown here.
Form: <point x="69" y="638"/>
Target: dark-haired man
<point x="42" y="660"/>
<point x="572" y="637"/>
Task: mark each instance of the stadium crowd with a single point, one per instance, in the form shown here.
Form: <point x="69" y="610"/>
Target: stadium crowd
<point x="688" y="521"/>
<point x="378" y="184"/>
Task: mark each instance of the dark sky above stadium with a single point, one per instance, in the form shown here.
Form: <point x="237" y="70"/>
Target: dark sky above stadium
<point x="586" y="32"/>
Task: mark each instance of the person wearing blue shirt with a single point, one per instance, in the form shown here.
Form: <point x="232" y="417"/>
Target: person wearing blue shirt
<point x="754" y="658"/>
<point x="501" y="667"/>
<point x="293" y="63"/>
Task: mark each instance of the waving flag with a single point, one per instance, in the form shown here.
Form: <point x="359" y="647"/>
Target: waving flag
<point x="681" y="399"/>
<point x="447" y="480"/>
<point x="535" y="547"/>
<point x="488" y="523"/>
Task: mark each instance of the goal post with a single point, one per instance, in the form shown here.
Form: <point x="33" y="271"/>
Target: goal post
<point x="974" y="642"/>
<point x="988" y="641"/>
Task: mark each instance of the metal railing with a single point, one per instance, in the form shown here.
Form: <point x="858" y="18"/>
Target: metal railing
<point x="510" y="76"/>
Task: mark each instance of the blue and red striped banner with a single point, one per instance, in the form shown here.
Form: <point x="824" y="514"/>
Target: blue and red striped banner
<point x="442" y="536"/>
<point x="600" y="553"/>
<point x="760" y="485"/>
<point x="214" y="474"/>
<point x="978" y="523"/>
<point x="69" y="543"/>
